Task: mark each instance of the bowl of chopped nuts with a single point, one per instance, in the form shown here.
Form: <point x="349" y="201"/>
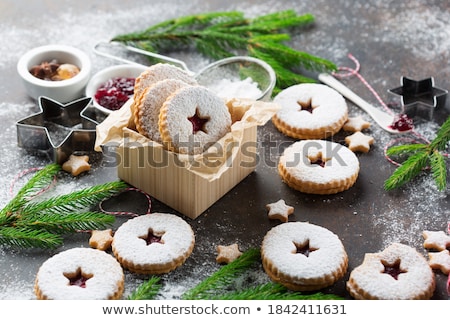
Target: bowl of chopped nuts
<point x="59" y="72"/>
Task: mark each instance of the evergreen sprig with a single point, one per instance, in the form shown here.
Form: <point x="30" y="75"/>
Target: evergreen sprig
<point x="217" y="286"/>
<point x="26" y="223"/>
<point x="419" y="157"/>
<point x="147" y="290"/>
<point x="223" y="34"/>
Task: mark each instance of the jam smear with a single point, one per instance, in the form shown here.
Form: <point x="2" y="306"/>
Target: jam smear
<point x="152" y="238"/>
<point x="115" y="92"/>
<point x="319" y="162"/>
<point x="198" y="123"/>
<point x="393" y="269"/>
<point x="78" y="279"/>
<point x="305" y="106"/>
<point x="402" y="123"/>
<point x="318" y="159"/>
<point x="304" y="249"/>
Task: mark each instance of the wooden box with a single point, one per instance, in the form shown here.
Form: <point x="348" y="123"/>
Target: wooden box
<point x="191" y="184"/>
<point x="176" y="183"/>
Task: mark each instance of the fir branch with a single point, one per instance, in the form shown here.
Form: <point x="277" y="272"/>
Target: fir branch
<point x="25" y="223"/>
<point x="77" y="200"/>
<point x="147" y="290"/>
<point x="38" y="182"/>
<point x="272" y="291"/>
<point x="420" y="156"/>
<point x="438" y="169"/>
<point x="29" y="238"/>
<point x="66" y="223"/>
<point x="223" y="34"/>
<point x="407" y="171"/>
<point x="408" y="149"/>
<point x="223" y="277"/>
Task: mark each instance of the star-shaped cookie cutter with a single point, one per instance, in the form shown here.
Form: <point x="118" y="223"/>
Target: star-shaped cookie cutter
<point x="58" y="130"/>
<point x="419" y="98"/>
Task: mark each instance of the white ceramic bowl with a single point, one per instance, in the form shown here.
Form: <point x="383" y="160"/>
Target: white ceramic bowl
<point x="122" y="70"/>
<point x="64" y="90"/>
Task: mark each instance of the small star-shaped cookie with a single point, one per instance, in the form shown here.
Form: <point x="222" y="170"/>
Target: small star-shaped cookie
<point x="440" y="260"/>
<point x="355" y="124"/>
<point x="101" y="239"/>
<point x="358" y="141"/>
<point x="437" y="240"/>
<point x="279" y="210"/>
<point x="227" y="254"/>
<point x="76" y="164"/>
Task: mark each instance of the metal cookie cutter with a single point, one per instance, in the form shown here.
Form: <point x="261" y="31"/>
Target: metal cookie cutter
<point x="59" y="130"/>
<point x="420" y="98"/>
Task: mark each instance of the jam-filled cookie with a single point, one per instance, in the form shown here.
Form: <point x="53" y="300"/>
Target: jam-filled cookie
<point x="192" y="119"/>
<point x="148" y="105"/>
<point x="310" y="111"/>
<point x="303" y="256"/>
<point x="154" y="243"/>
<point x="398" y="272"/>
<point x="318" y="167"/>
<point x="80" y="274"/>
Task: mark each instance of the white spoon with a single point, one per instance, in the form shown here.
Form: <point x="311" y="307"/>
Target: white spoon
<point x="383" y="119"/>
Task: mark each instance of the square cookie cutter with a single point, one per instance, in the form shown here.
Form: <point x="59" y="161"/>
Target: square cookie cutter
<point x="59" y="130"/>
<point x="419" y="98"/>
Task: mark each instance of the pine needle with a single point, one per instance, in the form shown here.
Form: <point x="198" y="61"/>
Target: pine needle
<point x="273" y="291"/>
<point x="29" y="238"/>
<point x="147" y="290"/>
<point x="438" y="169"/>
<point x="407" y="171"/>
<point x="66" y="223"/>
<point x="223" y="277"/>
<point x="223" y="34"/>
<point x="41" y="224"/>
<point x="420" y="156"/>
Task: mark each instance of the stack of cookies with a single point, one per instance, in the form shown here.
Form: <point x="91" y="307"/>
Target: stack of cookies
<point x="172" y="109"/>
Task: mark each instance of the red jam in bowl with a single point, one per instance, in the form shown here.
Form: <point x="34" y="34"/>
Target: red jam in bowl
<point x="115" y="92"/>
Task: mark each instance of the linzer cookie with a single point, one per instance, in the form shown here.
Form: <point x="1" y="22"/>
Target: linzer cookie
<point x="318" y="167"/>
<point x="154" y="243"/>
<point x="398" y="272"/>
<point x="303" y="256"/>
<point x="192" y="119"/>
<point x="310" y="111"/>
<point x="148" y="105"/>
<point x="80" y="274"/>
<point x="158" y="72"/>
<point x="155" y="73"/>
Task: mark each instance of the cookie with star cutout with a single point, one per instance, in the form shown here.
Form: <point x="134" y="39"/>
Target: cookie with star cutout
<point x="398" y="272"/>
<point x="303" y="256"/>
<point x="318" y="167"/>
<point x="192" y="119"/>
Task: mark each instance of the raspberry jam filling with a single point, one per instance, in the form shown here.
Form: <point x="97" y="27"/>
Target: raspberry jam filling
<point x="78" y="278"/>
<point x="304" y="249"/>
<point x="305" y="106"/>
<point x="115" y="92"/>
<point x="318" y="159"/>
<point x="402" y="123"/>
<point x="198" y="123"/>
<point x="152" y="238"/>
<point x="393" y="270"/>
